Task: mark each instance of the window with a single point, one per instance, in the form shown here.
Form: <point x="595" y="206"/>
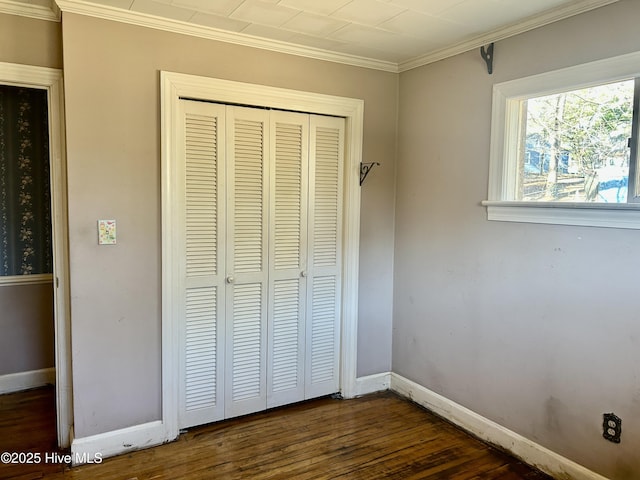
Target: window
<point x="564" y="146"/>
<point x="575" y="145"/>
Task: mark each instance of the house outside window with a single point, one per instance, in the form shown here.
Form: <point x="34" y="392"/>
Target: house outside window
<point x="576" y="145"/>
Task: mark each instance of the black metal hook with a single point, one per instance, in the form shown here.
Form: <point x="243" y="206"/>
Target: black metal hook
<point x="487" y="56"/>
<point x="365" y="168"/>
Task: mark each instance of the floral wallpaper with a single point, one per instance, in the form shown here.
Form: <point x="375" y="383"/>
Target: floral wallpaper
<point x="25" y="200"/>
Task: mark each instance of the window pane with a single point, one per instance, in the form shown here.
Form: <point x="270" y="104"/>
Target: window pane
<point x="575" y="145"/>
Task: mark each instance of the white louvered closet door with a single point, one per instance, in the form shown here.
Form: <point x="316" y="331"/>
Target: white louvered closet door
<point x="326" y="150"/>
<point x="288" y="257"/>
<point x="201" y="198"/>
<point x="261" y="239"/>
<point x="247" y="260"/>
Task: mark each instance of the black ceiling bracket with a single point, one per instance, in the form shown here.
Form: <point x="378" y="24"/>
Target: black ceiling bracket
<point x="365" y="168"/>
<point x="487" y="55"/>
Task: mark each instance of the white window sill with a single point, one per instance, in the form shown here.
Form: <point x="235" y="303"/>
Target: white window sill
<point x="610" y="215"/>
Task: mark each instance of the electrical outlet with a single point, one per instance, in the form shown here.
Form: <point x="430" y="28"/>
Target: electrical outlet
<point x="611" y="427"/>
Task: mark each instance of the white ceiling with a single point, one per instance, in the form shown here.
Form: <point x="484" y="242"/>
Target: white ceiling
<point x="391" y="32"/>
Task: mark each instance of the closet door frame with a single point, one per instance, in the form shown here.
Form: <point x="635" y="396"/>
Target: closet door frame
<point x="175" y="86"/>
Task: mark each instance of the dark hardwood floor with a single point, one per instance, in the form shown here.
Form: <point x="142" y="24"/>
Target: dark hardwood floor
<point x="373" y="437"/>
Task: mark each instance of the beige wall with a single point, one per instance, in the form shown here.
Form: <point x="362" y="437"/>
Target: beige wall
<point x="533" y="326"/>
<point x="26" y="316"/>
<point x="26" y="323"/>
<point x="113" y="139"/>
<point x="30" y="42"/>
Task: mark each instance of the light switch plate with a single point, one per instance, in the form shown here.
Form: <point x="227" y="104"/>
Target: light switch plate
<point x="106" y="232"/>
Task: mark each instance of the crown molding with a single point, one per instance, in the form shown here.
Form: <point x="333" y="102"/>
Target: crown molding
<point x="30" y="10"/>
<point x="537" y="21"/>
<point x="82" y="7"/>
<point x="185" y="28"/>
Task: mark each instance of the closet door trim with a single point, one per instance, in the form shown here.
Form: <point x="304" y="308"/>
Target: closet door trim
<point x="175" y="86"/>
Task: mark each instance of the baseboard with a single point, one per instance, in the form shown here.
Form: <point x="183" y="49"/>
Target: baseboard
<point x="97" y="447"/>
<point x="16" y="382"/>
<point x="373" y="383"/>
<point x="94" y="448"/>
<point x="491" y="432"/>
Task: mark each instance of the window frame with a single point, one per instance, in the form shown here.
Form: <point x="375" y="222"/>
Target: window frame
<point x="505" y="134"/>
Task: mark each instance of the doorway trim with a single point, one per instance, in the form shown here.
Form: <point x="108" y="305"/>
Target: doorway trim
<point x="50" y="79"/>
<point x="176" y="86"/>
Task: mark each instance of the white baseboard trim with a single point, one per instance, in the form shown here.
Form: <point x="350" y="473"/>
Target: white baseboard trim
<point x="16" y="382"/>
<point x="94" y="448"/>
<point x="491" y="432"/>
<point x="97" y="447"/>
<point x="378" y="382"/>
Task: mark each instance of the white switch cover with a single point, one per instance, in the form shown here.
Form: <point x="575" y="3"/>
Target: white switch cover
<point x="106" y="232"/>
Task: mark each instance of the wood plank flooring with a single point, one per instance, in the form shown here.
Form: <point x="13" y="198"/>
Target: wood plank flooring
<point x="377" y="436"/>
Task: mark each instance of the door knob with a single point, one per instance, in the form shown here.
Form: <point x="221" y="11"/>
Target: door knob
<point x="303" y="273"/>
<point x="230" y="279"/>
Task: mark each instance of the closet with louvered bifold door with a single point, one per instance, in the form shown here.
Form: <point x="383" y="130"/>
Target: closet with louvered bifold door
<point x="261" y="233"/>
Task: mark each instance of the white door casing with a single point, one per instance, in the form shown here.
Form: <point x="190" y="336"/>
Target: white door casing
<point x="176" y="86"/>
<point x="50" y="79"/>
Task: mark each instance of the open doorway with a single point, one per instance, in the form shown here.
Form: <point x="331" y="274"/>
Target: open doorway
<point x="33" y="238"/>
<point x="26" y="259"/>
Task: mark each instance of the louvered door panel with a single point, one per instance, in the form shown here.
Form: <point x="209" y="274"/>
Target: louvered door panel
<point x="287" y="282"/>
<point x="286" y="349"/>
<point x="248" y="210"/>
<point x="325" y="249"/>
<point x="202" y="145"/>
<point x="201" y="355"/>
<point x="261" y="237"/>
<point x="247" y="265"/>
<point x="246" y="367"/>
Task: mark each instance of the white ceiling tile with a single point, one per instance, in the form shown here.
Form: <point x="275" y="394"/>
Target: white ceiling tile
<point x="218" y="7"/>
<point x="403" y="47"/>
<point x="431" y="7"/>
<point x="219" y="22"/>
<point x="159" y="9"/>
<point x="483" y="15"/>
<point x="255" y="11"/>
<point x="311" y="24"/>
<point x="323" y="7"/>
<point x="421" y="26"/>
<point x="367" y="12"/>
<point x="363" y="35"/>
<point x="526" y="9"/>
<point x="268" y="32"/>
